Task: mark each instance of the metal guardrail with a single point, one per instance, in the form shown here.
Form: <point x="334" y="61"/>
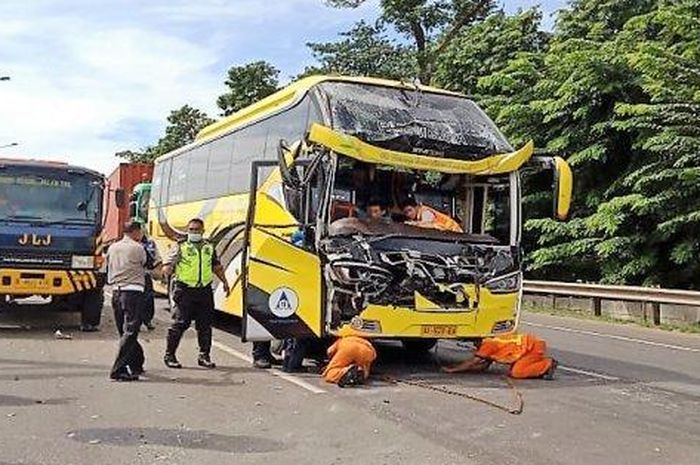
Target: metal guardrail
<point x="599" y="292"/>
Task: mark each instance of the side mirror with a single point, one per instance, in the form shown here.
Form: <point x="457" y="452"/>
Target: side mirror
<point x="132" y="210"/>
<point x="120" y="198"/>
<point x="563" y="188"/>
<point x="82" y="206"/>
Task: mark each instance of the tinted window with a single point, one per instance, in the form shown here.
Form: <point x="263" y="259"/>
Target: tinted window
<point x="197" y="173"/>
<point x="178" y="179"/>
<point x="218" y="174"/>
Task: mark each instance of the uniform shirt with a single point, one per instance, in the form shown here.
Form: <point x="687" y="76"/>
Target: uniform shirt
<point x="126" y="264"/>
<point x="173" y="256"/>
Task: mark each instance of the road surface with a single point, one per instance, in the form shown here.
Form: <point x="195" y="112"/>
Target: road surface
<point x="624" y="395"/>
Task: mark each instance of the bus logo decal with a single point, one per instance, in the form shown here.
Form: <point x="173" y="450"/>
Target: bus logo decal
<point x="283" y="302"/>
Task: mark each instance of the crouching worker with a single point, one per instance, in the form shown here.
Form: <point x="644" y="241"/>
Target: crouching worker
<point x="525" y="353"/>
<point x="351" y="359"/>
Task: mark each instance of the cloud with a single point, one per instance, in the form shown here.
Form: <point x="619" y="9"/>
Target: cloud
<point x="93" y="78"/>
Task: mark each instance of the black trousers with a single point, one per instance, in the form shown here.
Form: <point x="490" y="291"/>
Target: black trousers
<point x="191" y="303"/>
<point x="148" y="304"/>
<point x="127" y="307"/>
<point x="261" y="350"/>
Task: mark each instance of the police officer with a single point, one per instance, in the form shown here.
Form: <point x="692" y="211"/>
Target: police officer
<point x="193" y="264"/>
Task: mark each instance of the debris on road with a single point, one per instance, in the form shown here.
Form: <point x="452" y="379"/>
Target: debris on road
<point x="60" y="335"/>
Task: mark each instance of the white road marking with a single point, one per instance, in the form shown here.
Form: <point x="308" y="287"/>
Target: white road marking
<point x="614" y="336"/>
<point x="280" y="374"/>
<point x="588" y="373"/>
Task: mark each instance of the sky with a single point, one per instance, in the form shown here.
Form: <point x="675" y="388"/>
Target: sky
<point x="90" y="78"/>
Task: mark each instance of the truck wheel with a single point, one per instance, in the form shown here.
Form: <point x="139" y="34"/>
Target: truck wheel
<point x="91" y="308"/>
<point x="418" y="346"/>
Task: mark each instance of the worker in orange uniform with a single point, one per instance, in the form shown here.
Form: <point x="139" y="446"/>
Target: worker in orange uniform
<point x="351" y="359"/>
<point x="525" y="353"/>
<point x="428" y="217"/>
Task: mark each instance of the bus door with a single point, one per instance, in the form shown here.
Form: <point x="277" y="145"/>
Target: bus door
<point x="282" y="289"/>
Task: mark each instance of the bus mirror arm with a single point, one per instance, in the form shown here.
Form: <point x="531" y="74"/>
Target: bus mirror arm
<point x="289" y="176"/>
<point x="563" y="182"/>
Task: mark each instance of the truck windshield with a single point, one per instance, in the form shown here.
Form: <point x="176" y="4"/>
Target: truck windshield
<point x="48" y="195"/>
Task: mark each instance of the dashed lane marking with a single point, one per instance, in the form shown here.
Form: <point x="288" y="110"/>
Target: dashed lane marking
<point x="280" y="374"/>
<point x="588" y="373"/>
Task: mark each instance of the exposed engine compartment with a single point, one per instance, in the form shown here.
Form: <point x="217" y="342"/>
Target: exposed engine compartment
<point x="363" y="266"/>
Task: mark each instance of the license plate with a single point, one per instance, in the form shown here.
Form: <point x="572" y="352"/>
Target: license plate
<point x="438" y="330"/>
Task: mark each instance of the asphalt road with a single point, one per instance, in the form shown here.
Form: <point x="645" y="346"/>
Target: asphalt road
<point x="624" y="395"/>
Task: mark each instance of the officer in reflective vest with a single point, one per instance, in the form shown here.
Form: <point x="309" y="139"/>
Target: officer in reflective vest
<point x="428" y="217"/>
<point x="192" y="265"/>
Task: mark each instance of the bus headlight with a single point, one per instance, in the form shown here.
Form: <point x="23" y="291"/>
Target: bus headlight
<point x="82" y="262"/>
<point x="504" y="284"/>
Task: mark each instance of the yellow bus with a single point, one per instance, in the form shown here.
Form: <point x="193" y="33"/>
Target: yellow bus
<point x="284" y="186"/>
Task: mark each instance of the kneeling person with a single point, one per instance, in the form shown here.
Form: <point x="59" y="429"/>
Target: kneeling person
<point x="525" y="353"/>
<point x="351" y="360"/>
<point x="193" y="264"/>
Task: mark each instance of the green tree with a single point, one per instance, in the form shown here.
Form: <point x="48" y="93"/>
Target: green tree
<point x="429" y="26"/>
<point x="247" y="84"/>
<point x="183" y="126"/>
<point x="487" y="47"/>
<point x="365" y="50"/>
<point x="617" y="92"/>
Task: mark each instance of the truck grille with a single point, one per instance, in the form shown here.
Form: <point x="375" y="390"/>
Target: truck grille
<point x="33" y="260"/>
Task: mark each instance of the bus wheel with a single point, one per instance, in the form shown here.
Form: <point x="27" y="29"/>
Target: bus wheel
<point x="91" y="308"/>
<point x="418" y="346"/>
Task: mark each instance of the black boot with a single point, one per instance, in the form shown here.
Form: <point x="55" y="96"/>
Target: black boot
<point x="171" y="362"/>
<point x="205" y="361"/>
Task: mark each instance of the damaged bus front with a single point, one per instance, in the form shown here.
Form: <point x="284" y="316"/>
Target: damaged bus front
<point x="397" y="216"/>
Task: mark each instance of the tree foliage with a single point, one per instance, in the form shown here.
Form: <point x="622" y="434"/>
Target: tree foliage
<point x="183" y="126"/>
<point x="365" y="50"/>
<point x="428" y="25"/>
<point x="247" y="84"/>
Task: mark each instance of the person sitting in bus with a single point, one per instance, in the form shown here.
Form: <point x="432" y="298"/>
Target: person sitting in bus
<point x="428" y="217"/>
<point x="524" y="353"/>
<point x="376" y="210"/>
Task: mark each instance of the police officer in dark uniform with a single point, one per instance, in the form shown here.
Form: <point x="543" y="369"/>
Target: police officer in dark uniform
<point x="192" y="265"/>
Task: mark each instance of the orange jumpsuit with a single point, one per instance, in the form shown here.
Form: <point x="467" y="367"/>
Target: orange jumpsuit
<point x="524" y="353"/>
<point x="437" y="219"/>
<point x="346" y="352"/>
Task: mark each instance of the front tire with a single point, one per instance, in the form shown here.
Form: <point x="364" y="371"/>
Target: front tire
<point x="91" y="307"/>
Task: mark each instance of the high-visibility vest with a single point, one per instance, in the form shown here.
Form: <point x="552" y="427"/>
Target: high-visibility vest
<point x="194" y="266"/>
<point x="442" y="221"/>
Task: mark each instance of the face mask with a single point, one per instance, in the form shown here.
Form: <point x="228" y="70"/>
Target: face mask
<point x="194" y="237"/>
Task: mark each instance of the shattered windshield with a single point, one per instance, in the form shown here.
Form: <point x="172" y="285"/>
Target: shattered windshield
<point x="414" y="121"/>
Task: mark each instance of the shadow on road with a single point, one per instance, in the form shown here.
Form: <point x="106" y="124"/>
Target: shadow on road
<point x="180" y="438"/>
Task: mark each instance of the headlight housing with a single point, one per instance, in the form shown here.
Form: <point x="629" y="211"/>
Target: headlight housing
<point x="504" y="284"/>
<point x="82" y="262"/>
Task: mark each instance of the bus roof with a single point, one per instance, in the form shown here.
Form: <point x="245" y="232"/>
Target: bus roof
<point x="57" y="165"/>
<point x="290" y="94"/>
